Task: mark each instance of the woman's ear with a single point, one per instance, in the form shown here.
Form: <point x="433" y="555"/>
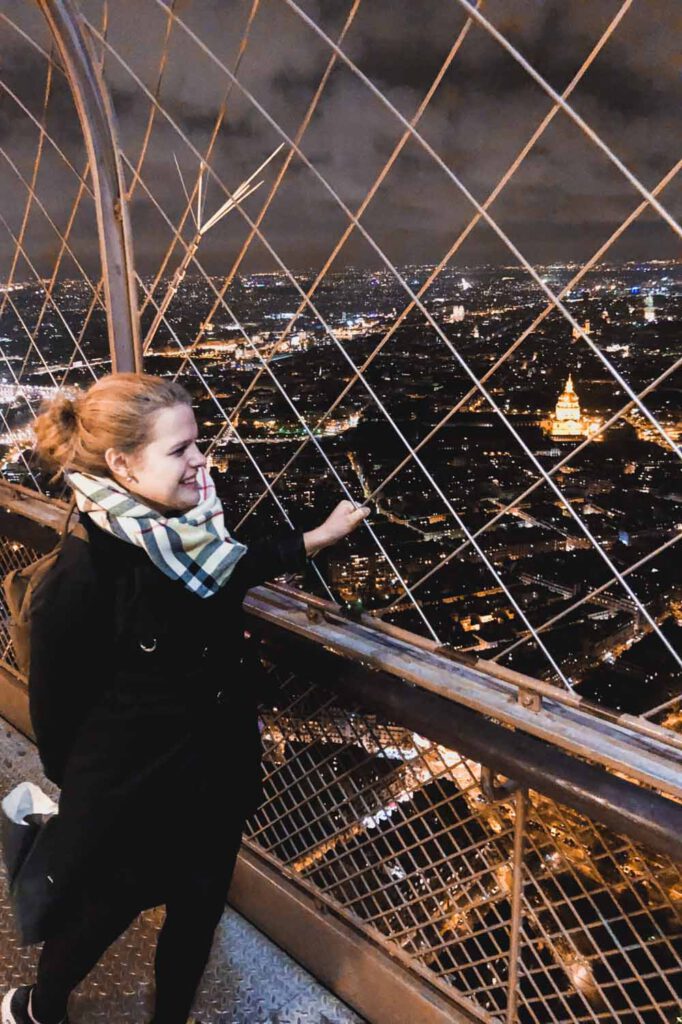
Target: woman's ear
<point x="118" y="465"/>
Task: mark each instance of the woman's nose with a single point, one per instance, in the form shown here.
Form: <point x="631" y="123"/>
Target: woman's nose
<point x="198" y="458"/>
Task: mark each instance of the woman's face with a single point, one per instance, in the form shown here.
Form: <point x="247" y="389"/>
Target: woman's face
<point x="164" y="471"/>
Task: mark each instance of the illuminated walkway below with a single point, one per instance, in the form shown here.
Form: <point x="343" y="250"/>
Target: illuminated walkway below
<point x="248" y="979"/>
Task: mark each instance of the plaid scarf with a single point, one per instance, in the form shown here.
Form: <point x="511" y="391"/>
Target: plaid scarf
<point x="194" y="547"/>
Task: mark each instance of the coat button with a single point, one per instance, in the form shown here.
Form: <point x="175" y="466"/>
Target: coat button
<point x="204" y="652"/>
<point x="219" y="696"/>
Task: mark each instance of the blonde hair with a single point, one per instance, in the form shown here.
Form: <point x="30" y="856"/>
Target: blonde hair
<point x="117" y="411"/>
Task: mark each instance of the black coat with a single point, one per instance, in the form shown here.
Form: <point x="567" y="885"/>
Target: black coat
<point x="143" y="711"/>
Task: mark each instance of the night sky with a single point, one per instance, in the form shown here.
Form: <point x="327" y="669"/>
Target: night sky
<point x="563" y="202"/>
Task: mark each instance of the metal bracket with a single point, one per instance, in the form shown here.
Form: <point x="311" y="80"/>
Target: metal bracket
<point x="493" y="791"/>
<point x="529" y="699"/>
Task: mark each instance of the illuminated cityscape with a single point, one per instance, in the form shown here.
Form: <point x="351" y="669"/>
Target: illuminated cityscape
<point x="553" y="391"/>
<point x="431" y="264"/>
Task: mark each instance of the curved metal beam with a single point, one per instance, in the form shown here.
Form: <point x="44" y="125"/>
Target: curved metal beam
<point x="98" y="126"/>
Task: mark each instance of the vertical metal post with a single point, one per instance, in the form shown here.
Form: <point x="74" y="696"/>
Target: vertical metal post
<point x="97" y="123"/>
<point x="520" y="807"/>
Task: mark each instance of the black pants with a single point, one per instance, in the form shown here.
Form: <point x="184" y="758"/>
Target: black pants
<point x="193" y="910"/>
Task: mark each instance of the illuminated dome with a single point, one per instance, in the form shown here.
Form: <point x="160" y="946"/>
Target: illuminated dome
<point x="567" y="421"/>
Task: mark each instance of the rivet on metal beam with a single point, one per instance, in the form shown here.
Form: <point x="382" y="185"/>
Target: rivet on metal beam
<point x="530" y="699"/>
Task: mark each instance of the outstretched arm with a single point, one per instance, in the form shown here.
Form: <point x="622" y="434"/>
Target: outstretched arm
<point x="288" y="551"/>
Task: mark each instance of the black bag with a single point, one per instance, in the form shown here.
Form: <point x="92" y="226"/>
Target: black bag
<point x="18" y="587"/>
<point x="28" y="822"/>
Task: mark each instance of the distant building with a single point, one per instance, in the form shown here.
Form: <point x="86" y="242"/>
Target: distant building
<point x="575" y="333"/>
<point x="568" y="423"/>
<point x="457" y="315"/>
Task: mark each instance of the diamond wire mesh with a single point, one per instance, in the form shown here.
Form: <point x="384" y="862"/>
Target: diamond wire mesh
<point x="52" y="322"/>
<point x="356" y="767"/>
<point x="602" y="924"/>
<point x="356" y="831"/>
<point x="395" y="832"/>
<point x="262" y="409"/>
<point x="385" y="579"/>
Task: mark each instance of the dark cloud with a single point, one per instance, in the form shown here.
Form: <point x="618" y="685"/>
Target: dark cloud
<point x="564" y="200"/>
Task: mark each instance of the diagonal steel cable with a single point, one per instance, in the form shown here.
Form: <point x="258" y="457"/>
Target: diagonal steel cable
<point x="569" y="507"/>
<point x="20" y="448"/>
<point x="296" y="412"/>
<point x="94" y="303"/>
<point x="455" y="246"/>
<point x="209" y="390"/>
<point x="97" y="297"/>
<point x="492" y="223"/>
<point x="62" y="236"/>
<point x="539" y="481"/>
<point x="454" y="49"/>
<point x="343" y="486"/>
<point x="82" y="189"/>
<point x="596" y="258"/>
<point x="38" y="278"/>
<point x="394" y="426"/>
<point x="152" y="110"/>
<point x="662" y="707"/>
<point x="29" y="198"/>
<point x="206" y="157"/>
<point x="32" y="343"/>
<point x="590" y="595"/>
<point x="55" y="274"/>
<point x="44" y="132"/>
<point x="303" y="127"/>
<point x="296" y="285"/>
<point x="21" y="392"/>
<point x="27" y="210"/>
<point x="566" y="107"/>
<point x="583" y="527"/>
<point x="578" y="328"/>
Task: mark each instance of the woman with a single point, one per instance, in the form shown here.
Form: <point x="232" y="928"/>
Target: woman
<point x="138" y="697"/>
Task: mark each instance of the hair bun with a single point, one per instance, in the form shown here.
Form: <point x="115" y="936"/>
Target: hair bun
<point x="65" y="412"/>
<point x="56" y="431"/>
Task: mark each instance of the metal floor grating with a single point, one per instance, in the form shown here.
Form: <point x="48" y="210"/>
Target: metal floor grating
<point x="248" y="979"/>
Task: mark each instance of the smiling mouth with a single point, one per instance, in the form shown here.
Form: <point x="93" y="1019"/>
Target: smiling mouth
<point x="192" y="482"/>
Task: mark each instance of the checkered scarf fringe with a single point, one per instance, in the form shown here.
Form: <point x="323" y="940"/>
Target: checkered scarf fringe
<point x="194" y="547"/>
